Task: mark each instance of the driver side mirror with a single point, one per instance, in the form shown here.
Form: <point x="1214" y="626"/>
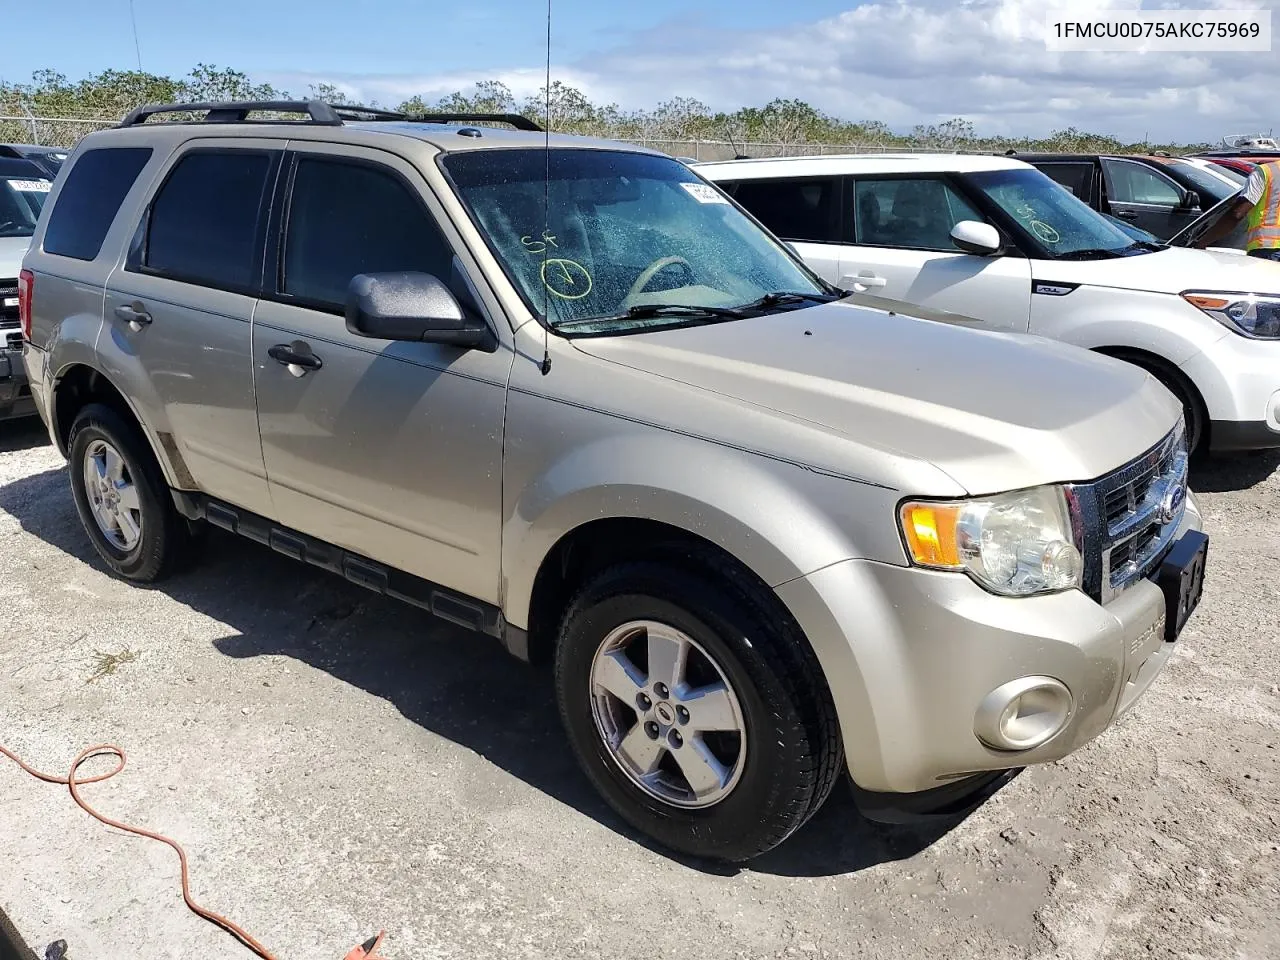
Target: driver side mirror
<point x="1189" y="200"/>
<point x="414" y="307"/>
<point x="973" y="237"/>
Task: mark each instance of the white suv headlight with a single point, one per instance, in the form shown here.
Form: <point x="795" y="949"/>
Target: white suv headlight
<point x="1015" y="544"/>
<point x="1249" y="314"/>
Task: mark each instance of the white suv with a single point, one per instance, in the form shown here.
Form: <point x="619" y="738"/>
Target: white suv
<point x="992" y="237"/>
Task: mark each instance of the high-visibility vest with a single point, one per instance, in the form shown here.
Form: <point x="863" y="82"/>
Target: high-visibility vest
<point x="1263" y="223"/>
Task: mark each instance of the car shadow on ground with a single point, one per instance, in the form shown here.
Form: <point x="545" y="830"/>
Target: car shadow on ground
<point x="1233" y="472"/>
<point x="428" y="670"/>
<point x="25" y="434"/>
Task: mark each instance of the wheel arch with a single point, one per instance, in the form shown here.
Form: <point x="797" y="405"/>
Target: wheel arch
<point x="1162" y="368"/>
<point x="607" y="503"/>
<point x="78" y="384"/>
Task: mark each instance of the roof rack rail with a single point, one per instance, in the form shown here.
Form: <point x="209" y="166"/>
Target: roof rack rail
<point x="318" y="112"/>
<point x="519" y="121"/>
<point x="239" y="110"/>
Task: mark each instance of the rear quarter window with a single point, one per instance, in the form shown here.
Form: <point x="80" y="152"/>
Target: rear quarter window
<point x="91" y="194"/>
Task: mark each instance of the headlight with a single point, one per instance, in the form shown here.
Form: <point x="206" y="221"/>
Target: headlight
<point x="1253" y="315"/>
<point x="1015" y="544"/>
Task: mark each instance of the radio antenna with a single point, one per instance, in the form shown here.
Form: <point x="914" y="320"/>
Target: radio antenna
<point x="545" y="366"/>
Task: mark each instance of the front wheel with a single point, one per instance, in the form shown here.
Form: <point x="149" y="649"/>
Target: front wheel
<point x="696" y="709"/>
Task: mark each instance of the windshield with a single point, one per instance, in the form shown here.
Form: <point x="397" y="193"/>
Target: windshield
<point x="1052" y="219"/>
<point x="21" y="199"/>
<point x="620" y="241"/>
<point x="1218" y="187"/>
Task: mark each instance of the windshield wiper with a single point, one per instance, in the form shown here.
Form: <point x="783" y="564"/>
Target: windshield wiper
<point x="1145" y="245"/>
<point x="646" y="311"/>
<point x="1092" y="253"/>
<point x="780" y="297"/>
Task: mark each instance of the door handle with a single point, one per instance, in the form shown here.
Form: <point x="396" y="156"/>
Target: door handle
<point x="134" y="314"/>
<point x="864" y="280"/>
<point x="1128" y="215"/>
<point x="296" y="356"/>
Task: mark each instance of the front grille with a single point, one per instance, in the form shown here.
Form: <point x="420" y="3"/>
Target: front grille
<point x="1129" y="517"/>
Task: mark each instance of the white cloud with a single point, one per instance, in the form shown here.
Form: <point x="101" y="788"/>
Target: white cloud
<point x="916" y="61"/>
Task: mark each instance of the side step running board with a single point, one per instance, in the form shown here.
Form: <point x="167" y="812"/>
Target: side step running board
<point x="454" y="607"/>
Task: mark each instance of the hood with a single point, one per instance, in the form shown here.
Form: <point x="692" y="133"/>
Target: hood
<point x="1167" y="271"/>
<point x="993" y="411"/>
<point x="12" y="250"/>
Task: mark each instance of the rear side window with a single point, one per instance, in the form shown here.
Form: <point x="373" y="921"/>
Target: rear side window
<point x="206" y="223"/>
<point x="90" y="196"/>
<point x="807" y="210"/>
<point x="349" y="218"/>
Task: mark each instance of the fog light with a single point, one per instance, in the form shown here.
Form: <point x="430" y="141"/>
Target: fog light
<point x="1023" y="714"/>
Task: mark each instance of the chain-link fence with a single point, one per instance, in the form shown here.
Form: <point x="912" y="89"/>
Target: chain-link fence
<point x="49" y="131"/>
<point x="66" y="131"/>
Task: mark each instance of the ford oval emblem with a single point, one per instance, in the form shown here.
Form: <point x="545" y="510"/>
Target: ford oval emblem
<point x="1171" y="505"/>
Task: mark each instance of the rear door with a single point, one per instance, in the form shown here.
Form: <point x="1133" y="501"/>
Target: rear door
<point x="390" y="449"/>
<point x="182" y="304"/>
<point x="1144" y="197"/>
<point x="804" y="211"/>
<point x="902" y="249"/>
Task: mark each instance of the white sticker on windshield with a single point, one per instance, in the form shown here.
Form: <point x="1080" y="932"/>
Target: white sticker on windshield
<point x="704" y="193"/>
<point x="31" y="186"/>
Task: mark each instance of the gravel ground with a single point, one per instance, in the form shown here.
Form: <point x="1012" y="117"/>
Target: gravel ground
<point x="336" y="763"/>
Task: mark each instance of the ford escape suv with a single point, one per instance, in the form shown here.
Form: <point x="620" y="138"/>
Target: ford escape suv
<point x="565" y="393"/>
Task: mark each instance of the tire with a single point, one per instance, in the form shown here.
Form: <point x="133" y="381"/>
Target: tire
<point x="777" y="771"/>
<point x="154" y="538"/>
<point x="1193" y="411"/>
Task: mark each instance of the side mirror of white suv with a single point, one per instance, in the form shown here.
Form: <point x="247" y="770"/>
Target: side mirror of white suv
<point x="974" y="237"/>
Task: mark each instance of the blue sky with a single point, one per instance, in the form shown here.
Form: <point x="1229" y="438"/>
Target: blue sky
<point x="369" y="37"/>
<point x="903" y="62"/>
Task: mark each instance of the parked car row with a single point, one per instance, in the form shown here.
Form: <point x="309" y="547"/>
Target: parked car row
<point x="770" y="527"/>
<point x="1162" y="195"/>
<point x="996" y="239"/>
<point x="24" y="187"/>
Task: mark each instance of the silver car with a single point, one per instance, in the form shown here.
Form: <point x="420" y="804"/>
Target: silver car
<point x="567" y="394"/>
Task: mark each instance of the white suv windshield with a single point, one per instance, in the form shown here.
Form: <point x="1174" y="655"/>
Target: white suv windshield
<point x="1056" y="223"/>
<point x="611" y="240"/>
<point x="21" y="199"/>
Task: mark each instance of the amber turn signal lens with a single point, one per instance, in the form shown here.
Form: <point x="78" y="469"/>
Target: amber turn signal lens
<point x="1205" y="303"/>
<point x="930" y="530"/>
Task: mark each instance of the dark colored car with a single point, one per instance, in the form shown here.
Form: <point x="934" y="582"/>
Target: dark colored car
<point x="1161" y="195"/>
<point x="48" y="159"/>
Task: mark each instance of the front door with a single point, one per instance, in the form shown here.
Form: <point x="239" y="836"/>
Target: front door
<point x="390" y="449"/>
<point x="1145" y="197"/>
<point x="182" y="305"/>
<point x="902" y="250"/>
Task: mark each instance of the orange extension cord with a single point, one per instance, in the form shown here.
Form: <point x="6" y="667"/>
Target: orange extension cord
<point x="368" y="951"/>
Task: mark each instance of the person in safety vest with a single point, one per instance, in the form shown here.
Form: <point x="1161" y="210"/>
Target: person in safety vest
<point x="1258" y="205"/>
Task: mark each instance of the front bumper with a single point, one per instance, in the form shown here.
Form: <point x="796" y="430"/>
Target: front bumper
<point x="1239" y="380"/>
<point x="15" y="391"/>
<point x="910" y="655"/>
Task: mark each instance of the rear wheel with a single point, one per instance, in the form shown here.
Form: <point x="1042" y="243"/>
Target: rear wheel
<point x="696" y="709"/>
<point x="122" y="498"/>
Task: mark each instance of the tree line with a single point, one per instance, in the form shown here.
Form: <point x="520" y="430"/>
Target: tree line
<point x="108" y="95"/>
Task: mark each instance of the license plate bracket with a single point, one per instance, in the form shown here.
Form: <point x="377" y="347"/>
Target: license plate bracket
<point x="1181" y="578"/>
